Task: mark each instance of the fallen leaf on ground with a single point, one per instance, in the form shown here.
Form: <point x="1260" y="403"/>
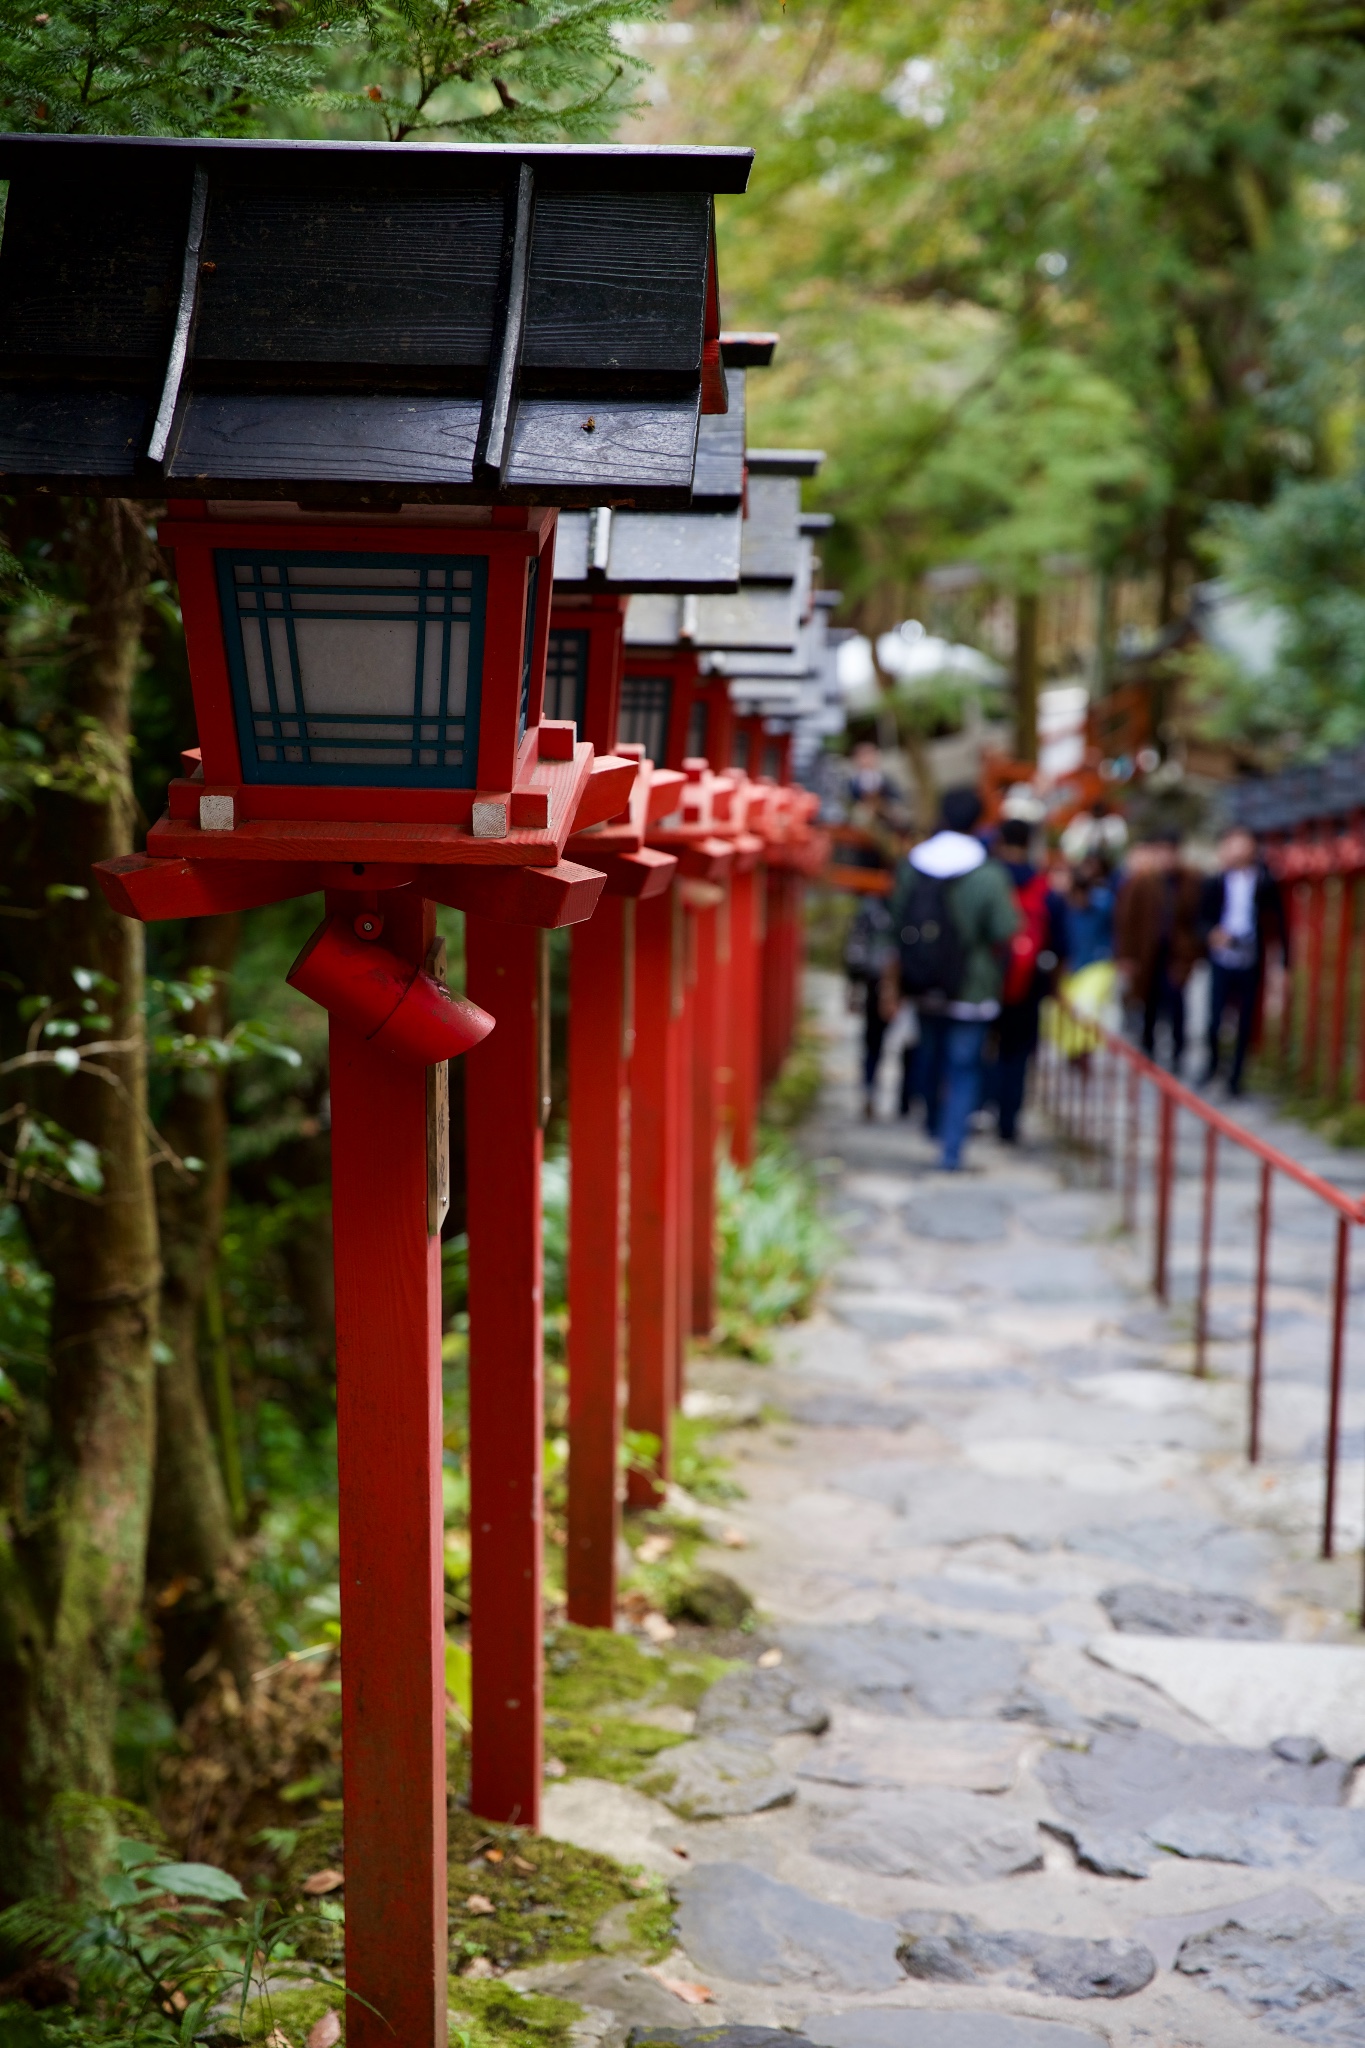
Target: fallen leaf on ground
<point x="520" y="1863"/>
<point x="321" y="1882"/>
<point x="492" y="1855"/>
<point x="678" y="1850"/>
<point x="479" y="1966"/>
<point x="277" y="2038"/>
<point x="635" y="1603"/>
<point x="477" y="1903"/>
<point x="734" y="1539"/>
<point x="653" y="1548"/>
<point x="658" y="1628"/>
<point x="325" y="2033"/>
<point x="770" y="1660"/>
<point x="555" y="1769"/>
<point x="690" y="1994"/>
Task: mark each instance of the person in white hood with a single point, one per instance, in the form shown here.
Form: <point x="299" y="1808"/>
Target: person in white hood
<point x="954" y="914"/>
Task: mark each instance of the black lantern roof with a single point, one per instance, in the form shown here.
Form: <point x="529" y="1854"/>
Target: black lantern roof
<point x="718" y="483"/>
<point x="764" y="614"/>
<point x="663" y="551"/>
<point x="695" y="550"/>
<point x="358" y="323"/>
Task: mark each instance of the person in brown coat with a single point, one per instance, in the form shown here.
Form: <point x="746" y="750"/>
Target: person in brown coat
<point x="1157" y="940"/>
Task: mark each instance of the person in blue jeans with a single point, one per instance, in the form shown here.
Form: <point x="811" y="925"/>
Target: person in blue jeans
<point x="954" y="976"/>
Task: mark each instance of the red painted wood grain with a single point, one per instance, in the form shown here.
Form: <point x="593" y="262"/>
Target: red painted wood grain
<point x="503" y="1145"/>
<point x="599" y="1017"/>
<point x="686" y="956"/>
<point x="743" y="1016"/>
<point x="707" y="1042"/>
<point x="654" y="1187"/>
<point x="388" y="1321"/>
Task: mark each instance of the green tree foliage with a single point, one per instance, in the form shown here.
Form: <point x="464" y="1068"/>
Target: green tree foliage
<point x="1090" y="215"/>
<point x="1303" y="554"/>
<point x="162" y="67"/>
<point x="500" y="70"/>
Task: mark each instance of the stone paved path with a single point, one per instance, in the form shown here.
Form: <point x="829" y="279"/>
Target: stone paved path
<point x="1052" y="1741"/>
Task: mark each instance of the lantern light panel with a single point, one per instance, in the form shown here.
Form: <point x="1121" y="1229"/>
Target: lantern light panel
<point x="354" y="668"/>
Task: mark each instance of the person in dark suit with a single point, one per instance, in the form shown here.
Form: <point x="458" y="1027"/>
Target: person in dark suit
<point x="1241" y="916"/>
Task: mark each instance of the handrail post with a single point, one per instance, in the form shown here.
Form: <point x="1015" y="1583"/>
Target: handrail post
<point x="1083" y="1082"/>
<point x="1163" y="1196"/>
<point x="1329" y="1501"/>
<point x="1258" y="1319"/>
<point x="1130" y="1170"/>
<point x="1201" y="1313"/>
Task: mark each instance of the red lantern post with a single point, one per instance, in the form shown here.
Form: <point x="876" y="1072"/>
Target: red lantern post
<point x="365" y="579"/>
<point x="372" y="965"/>
<point x="605" y="1026"/>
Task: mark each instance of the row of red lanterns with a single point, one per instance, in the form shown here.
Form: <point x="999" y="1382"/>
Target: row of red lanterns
<point x="362" y="455"/>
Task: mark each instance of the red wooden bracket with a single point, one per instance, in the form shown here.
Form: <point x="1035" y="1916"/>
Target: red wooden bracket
<point x="643" y="874"/>
<point x="529" y="807"/>
<point x="748" y="852"/>
<point x="702" y="860"/>
<point x="408" y="826"/>
<point x="151" y="889"/>
<point x="607" y="791"/>
<point x="548" y="897"/>
<point x="555" y="739"/>
<point x="665" y="785"/>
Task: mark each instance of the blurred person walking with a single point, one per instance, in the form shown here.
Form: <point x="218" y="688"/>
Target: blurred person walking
<point x="1089" y="916"/>
<point x="1157" y="940"/>
<point x="1241" y="915"/>
<point x="1030" y="973"/>
<point x="869" y="951"/>
<point x="954" y="916"/>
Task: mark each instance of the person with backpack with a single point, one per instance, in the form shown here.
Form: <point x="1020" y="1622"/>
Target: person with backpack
<point x="1030" y="972"/>
<point x="954" y="916"/>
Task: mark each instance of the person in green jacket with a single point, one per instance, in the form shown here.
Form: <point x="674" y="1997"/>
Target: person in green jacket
<point x="953" y="975"/>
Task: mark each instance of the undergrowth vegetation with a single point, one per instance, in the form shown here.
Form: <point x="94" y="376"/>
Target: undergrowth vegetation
<point x="773" y="1248"/>
<point x="613" y="1703"/>
<point x="230" y="1869"/>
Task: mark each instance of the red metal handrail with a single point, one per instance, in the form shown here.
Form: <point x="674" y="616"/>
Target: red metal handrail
<point x="1066" y="1087"/>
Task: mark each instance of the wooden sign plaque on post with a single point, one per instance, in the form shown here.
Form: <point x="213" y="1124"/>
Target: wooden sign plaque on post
<point x="362" y="454"/>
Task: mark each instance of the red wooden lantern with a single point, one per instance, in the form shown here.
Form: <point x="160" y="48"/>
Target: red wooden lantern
<point x="627" y="965"/>
<point x="359" y="375"/>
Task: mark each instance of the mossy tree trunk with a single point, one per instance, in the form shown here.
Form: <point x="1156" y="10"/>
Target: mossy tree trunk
<point x="74" y="1537"/>
<point x="197" y="1602"/>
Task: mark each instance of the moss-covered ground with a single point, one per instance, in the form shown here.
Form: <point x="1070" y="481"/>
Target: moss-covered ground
<point x="601" y="1692"/>
<point x="515" y="1897"/>
<point x="482" y="2015"/>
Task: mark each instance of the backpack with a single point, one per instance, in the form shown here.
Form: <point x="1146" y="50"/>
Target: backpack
<point x="933" y="958"/>
<point x="1028" y="942"/>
